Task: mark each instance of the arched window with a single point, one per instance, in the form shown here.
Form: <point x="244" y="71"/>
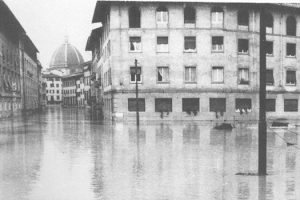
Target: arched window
<point x="243" y="18"/>
<point x="269" y="23"/>
<point x="189" y="15"/>
<point x="291" y="26"/>
<point x="217" y="16"/>
<point x="162" y="15"/>
<point x="134" y="17"/>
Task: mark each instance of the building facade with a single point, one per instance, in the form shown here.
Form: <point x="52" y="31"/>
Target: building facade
<point x="53" y="88"/>
<point x="195" y="61"/>
<point x="73" y="90"/>
<point x="18" y="66"/>
<point x="87" y="83"/>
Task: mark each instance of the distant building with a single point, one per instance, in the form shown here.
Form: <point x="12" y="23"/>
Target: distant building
<point x="196" y="61"/>
<point x="73" y="90"/>
<point x="53" y="88"/>
<point x="18" y="67"/>
<point x="87" y="83"/>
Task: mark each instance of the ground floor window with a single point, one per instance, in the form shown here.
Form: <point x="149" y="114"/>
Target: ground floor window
<point x="291" y="105"/>
<point x="163" y="105"/>
<point x="132" y="104"/>
<point x="190" y="105"/>
<point x="217" y="105"/>
<point x="270" y="105"/>
<point x="243" y="105"/>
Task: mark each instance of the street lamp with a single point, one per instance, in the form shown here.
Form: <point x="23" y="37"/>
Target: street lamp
<point x="137" y="72"/>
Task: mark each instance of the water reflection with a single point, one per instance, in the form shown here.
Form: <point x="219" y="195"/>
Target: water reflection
<point x="62" y="154"/>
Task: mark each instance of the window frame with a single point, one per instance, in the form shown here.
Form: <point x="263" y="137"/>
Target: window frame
<point x="159" y="13"/>
<point x="190" y="67"/>
<point x="240" y="40"/>
<point x="212" y="74"/>
<point x="240" y="101"/>
<point x="272" y="44"/>
<point x="218" y="101"/>
<point x="130" y="10"/>
<point x="135" y="51"/>
<point x="189" y="21"/>
<point x="240" y="81"/>
<point x="157" y="45"/>
<point x="242" y="13"/>
<point x="218" y="45"/>
<point x="157" y="70"/>
<point x="286" y="77"/>
<point x="294" y="49"/>
<point x="288" y="24"/>
<point x="217" y="23"/>
<point x="289" y="109"/>
<point x="270" y="105"/>
<point x="273" y="81"/>
<point x="141" y="77"/>
<point x="190" y="50"/>
<point x="163" y="99"/>
<point x="141" y="102"/>
<point x="190" y="101"/>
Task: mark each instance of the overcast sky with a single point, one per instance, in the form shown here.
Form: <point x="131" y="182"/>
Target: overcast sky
<point x="48" y="21"/>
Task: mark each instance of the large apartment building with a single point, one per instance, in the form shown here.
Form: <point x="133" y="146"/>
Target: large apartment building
<point x="195" y="60"/>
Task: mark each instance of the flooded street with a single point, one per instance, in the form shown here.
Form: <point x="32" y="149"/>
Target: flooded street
<point x="63" y="155"/>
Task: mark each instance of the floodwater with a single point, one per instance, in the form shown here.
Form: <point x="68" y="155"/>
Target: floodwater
<point x="63" y="155"/>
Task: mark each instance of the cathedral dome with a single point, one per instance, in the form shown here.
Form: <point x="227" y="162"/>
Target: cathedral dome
<point x="66" y="56"/>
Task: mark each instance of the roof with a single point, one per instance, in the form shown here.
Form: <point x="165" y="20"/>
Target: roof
<point x="101" y="7"/>
<point x="93" y="38"/>
<point x="72" y="75"/>
<point x="50" y="76"/>
<point x="66" y="55"/>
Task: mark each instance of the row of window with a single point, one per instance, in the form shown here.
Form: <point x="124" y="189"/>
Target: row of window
<point x="52" y="85"/>
<point x="53" y="79"/>
<point x="217" y="18"/>
<point x="192" y="105"/>
<point x="217" y="75"/>
<point x="217" y="45"/>
<point x="52" y="91"/>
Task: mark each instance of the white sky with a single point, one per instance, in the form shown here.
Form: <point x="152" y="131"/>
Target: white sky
<point x="47" y="22"/>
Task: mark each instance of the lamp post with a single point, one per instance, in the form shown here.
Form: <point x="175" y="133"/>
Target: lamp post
<point x="137" y="94"/>
<point x="262" y="127"/>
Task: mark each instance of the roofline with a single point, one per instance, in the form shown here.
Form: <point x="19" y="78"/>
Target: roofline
<point x="101" y="4"/>
<point x="22" y="30"/>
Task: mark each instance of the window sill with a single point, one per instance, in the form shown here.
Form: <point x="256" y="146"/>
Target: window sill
<point x="290" y="56"/>
<point x="269" y="55"/>
<point x="243" y="53"/>
<point x="243" y="27"/>
<point x="189" y="51"/>
<point x="246" y="84"/>
<point x="290" y="84"/>
<point x="133" y="82"/>
<point x="162" y="82"/>
<point x="269" y="84"/>
<point x="190" y="25"/>
<point x="217" y="82"/>
<point x="162" y="52"/>
<point x="135" y="51"/>
<point x="190" y="82"/>
<point x="214" y="51"/>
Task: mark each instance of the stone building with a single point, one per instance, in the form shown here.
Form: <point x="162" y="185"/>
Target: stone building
<point x="18" y="66"/>
<point x="73" y="90"/>
<point x="195" y="60"/>
<point x="53" y="88"/>
<point x="87" y="83"/>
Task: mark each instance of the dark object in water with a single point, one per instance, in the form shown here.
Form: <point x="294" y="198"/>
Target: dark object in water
<point x="280" y="124"/>
<point x="289" y="144"/>
<point x="224" y="126"/>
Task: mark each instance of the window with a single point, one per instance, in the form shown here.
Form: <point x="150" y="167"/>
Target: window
<point x="217" y="104"/>
<point x="217" y="43"/>
<point x="134" y="76"/>
<point x="269" y="48"/>
<point x="161" y="15"/>
<point x="217" y="74"/>
<point x="270" y="105"/>
<point x="290" y="77"/>
<point x="57" y="85"/>
<point x="291" y="105"/>
<point x="269" y="77"/>
<point x="163" y="105"/>
<point x="243" y="46"/>
<point x="243" y="76"/>
<point x="217" y="17"/>
<point x="189" y="15"/>
<point x="57" y="97"/>
<point x="190" y="74"/>
<point x="243" y="105"/>
<point x="162" y="74"/>
<point x="190" y="104"/>
<point x="135" y="44"/>
<point x="269" y="23"/>
<point x="290" y="49"/>
<point x="243" y="18"/>
<point x="291" y="26"/>
<point x="57" y="79"/>
<point x="57" y="91"/>
<point x="189" y="44"/>
<point x="134" y="17"/>
<point x="52" y="85"/>
<point x="132" y="104"/>
<point x="162" y="44"/>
